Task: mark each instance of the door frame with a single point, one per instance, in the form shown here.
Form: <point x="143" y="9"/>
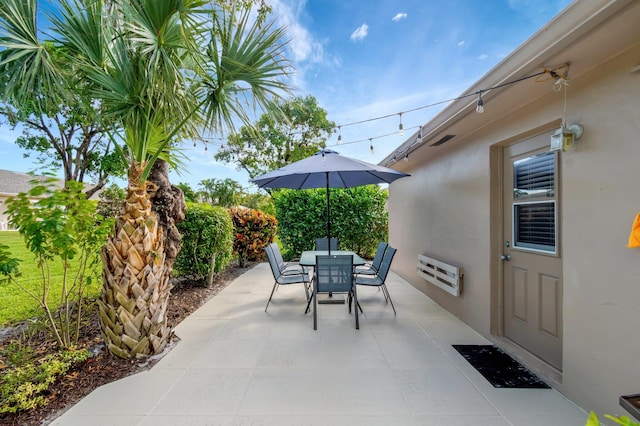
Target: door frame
<point x="497" y="217"/>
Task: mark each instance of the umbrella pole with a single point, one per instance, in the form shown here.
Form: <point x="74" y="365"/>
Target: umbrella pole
<point x="328" y="214"/>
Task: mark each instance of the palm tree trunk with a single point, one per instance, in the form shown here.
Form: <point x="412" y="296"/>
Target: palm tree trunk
<point x="168" y="202"/>
<point x="136" y="288"/>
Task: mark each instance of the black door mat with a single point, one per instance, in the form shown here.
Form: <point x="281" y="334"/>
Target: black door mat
<point x="498" y="368"/>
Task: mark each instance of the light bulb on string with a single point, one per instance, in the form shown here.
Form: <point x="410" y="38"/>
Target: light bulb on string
<point x="419" y="137"/>
<point x="400" y="126"/>
<point x="371" y="145"/>
<point x="194" y="144"/>
<point x="339" y="134"/>
<point x="480" y="104"/>
<point x="205" y="147"/>
<point x="406" y="157"/>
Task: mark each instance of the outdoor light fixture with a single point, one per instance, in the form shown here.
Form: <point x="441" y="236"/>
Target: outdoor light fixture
<point x="480" y="104"/>
<point x="339" y="134"/>
<point x="565" y="136"/>
<point x="400" y="126"/>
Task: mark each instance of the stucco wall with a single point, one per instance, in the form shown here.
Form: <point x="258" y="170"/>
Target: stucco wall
<point x="444" y="210"/>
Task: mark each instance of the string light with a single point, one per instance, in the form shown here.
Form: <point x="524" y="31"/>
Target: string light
<point x="558" y="74"/>
<point x="480" y="104"/>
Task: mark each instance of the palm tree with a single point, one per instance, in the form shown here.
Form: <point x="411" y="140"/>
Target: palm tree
<point x="162" y="71"/>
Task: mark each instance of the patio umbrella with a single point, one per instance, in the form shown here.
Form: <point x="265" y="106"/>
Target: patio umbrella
<point x="327" y="169"/>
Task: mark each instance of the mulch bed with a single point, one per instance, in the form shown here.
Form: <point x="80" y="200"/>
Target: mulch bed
<point x="102" y="368"/>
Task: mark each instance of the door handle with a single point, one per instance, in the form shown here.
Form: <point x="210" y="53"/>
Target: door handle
<point x="506" y="257"/>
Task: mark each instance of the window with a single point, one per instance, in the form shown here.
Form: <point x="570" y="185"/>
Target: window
<point x="534" y="206"/>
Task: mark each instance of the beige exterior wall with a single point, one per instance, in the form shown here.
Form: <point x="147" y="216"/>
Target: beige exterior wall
<point x="448" y="209"/>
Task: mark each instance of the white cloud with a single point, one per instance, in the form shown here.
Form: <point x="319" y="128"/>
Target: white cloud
<point x="483" y="56"/>
<point x="400" y="16"/>
<point x="304" y="47"/>
<point x="360" y="33"/>
<point x="461" y="43"/>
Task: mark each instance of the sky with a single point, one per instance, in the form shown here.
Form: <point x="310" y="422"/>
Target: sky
<point x="366" y="59"/>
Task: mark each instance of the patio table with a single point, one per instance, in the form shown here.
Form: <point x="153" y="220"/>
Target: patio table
<point x="308" y="258"/>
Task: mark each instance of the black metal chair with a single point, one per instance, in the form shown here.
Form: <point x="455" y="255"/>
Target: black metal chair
<point x="378" y="280"/>
<point x="373" y="267"/>
<point x="285" y="276"/>
<point x="322" y="244"/>
<point x="333" y="274"/>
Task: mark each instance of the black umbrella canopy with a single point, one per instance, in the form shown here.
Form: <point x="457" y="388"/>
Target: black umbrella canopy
<point x="327" y="169"/>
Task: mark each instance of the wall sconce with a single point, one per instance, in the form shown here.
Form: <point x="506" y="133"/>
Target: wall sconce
<point x="564" y="137"/>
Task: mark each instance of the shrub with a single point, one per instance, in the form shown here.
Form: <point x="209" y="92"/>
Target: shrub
<point x="61" y="226"/>
<point x="24" y="387"/>
<point x="254" y="230"/>
<point x="358" y="218"/>
<point x="207" y="241"/>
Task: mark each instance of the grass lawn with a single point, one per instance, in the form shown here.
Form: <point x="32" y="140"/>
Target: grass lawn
<point x="15" y="304"/>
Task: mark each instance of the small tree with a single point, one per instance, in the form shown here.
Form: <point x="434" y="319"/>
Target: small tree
<point x="270" y="144"/>
<point x="111" y="199"/>
<point x="207" y="241"/>
<point x="254" y="230"/>
<point x="61" y="226"/>
<point x="221" y="192"/>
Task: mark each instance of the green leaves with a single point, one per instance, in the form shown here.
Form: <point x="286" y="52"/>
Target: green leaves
<point x="8" y="264"/>
<point x="59" y="224"/>
<point x="207" y="240"/>
<point x="271" y="143"/>
<point x="358" y="218"/>
<point x="27" y="65"/>
<point x="24" y="387"/>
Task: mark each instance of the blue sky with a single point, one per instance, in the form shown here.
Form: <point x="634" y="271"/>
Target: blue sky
<point x="364" y="59"/>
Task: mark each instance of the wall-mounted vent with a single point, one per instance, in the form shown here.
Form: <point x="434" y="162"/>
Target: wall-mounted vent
<point x="443" y="140"/>
<point x="444" y="275"/>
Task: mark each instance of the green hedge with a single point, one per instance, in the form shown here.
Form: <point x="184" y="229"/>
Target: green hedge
<point x="207" y="241"/>
<point x="358" y="218"/>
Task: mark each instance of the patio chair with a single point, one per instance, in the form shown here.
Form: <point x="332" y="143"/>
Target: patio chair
<point x="285" y="277"/>
<point x="373" y="267"/>
<point x="378" y="280"/>
<point x="333" y="274"/>
<point x="286" y="267"/>
<point x="321" y="244"/>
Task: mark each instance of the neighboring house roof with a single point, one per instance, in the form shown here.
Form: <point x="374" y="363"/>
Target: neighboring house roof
<point x="12" y="183"/>
<point x="582" y="35"/>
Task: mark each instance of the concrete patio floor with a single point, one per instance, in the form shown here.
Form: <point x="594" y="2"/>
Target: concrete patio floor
<point x="237" y="365"/>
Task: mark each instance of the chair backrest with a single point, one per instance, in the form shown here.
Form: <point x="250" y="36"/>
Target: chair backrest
<point x="278" y="256"/>
<point x="334" y="274"/>
<point x="321" y="244"/>
<point x="272" y="261"/>
<point x="386" y="263"/>
<point x="377" y="259"/>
